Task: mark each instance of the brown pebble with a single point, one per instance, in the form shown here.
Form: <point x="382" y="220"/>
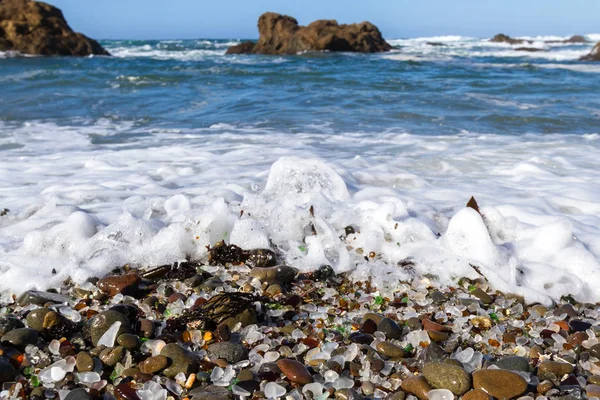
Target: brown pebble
<point x="369" y="327"/>
<point x="417" y="385"/>
<point x="125" y="391"/>
<point x="176" y="296"/>
<point x="438" y="336"/>
<point x="112" y="355"/>
<point x="152" y="365"/>
<point x="146" y="328"/>
<point x="429" y="325"/>
<point x="544" y="386"/>
<point x="114" y="285"/>
<point x="223" y="333"/>
<point x="476" y="394"/>
<point x="295" y="371"/>
<point x="499" y="383"/>
<point x="84" y="362"/>
<point x="553" y="367"/>
<point x="592" y="390"/>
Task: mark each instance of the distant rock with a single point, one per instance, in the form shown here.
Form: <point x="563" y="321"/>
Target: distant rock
<point x="435" y="44"/>
<point x="594" y="54"/>
<point x="502" y="38"/>
<point x="32" y="27"/>
<point x="281" y="34"/>
<point x="529" y="49"/>
<point x="576" y="39"/>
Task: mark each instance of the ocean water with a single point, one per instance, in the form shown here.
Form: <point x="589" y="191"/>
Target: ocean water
<point x="147" y="157"/>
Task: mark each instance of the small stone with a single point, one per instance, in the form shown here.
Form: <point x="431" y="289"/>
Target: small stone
<point x="367" y="388"/>
<point x="181" y="360"/>
<point x="592" y="390"/>
<point x="9" y="323"/>
<point x="113" y="285"/>
<point x="368" y="327"/>
<point x="553" y="367"/>
<point x="280" y="273"/>
<point x="483" y="296"/>
<point x="414" y="324"/>
<point x="432" y="353"/>
<point x="440" y="394"/>
<point x="390" y="350"/>
<point x="544" y="386"/>
<point x="438" y="337"/>
<point x="78" y="394"/>
<point x="7" y="371"/>
<point x="594" y="379"/>
<point x="146" y="328"/>
<point x="498" y="383"/>
<point x="273" y="290"/>
<point x="129" y="341"/>
<point x="429" y="325"/>
<point x="195" y="281"/>
<point x="566" y="309"/>
<point x="577" y="325"/>
<point x="446" y="376"/>
<point x="40" y="298"/>
<point x="399" y="395"/>
<point x="417" y="385"/>
<point x="295" y="371"/>
<point x="111" y="356"/>
<point x="230" y="351"/>
<point x="390" y="328"/>
<point x="375" y="317"/>
<point x="513" y="363"/>
<point x="100" y="323"/>
<point x="20" y="337"/>
<point x="125" y="391"/>
<point x="84" y="362"/>
<point x="224" y="333"/>
<point x="245" y="375"/>
<point x="476" y="394"/>
<point x="155" y="364"/>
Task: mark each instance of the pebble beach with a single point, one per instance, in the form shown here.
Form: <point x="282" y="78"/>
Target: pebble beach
<point x="240" y="326"/>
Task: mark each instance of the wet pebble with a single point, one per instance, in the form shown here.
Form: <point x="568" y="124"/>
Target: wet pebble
<point x="390" y="350"/>
<point x="113" y="285"/>
<point x="181" y="360"/>
<point x="154" y="364"/>
<point x="513" y="363"/>
<point x="499" y="383"/>
<point x="417" y="385"/>
<point x="230" y="351"/>
<point x="84" y="362"/>
<point x="101" y="322"/>
<point x="446" y="376"/>
<point x="20" y="337"/>
<point x="295" y="371"/>
<point x="390" y="328"/>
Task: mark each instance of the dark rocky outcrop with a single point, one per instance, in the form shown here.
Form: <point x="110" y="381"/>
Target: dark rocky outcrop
<point x="529" y="49"/>
<point x="594" y="54"/>
<point x="32" y="27"/>
<point x="502" y="38"/>
<point x="281" y="34"/>
<point x="575" y="39"/>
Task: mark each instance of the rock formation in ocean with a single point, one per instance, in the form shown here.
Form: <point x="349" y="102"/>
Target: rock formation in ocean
<point x="281" y="34"/>
<point x="594" y="54"/>
<point x="502" y="38"/>
<point x="32" y="27"/>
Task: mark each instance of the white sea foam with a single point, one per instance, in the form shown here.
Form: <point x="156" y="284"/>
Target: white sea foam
<point x="82" y="209"/>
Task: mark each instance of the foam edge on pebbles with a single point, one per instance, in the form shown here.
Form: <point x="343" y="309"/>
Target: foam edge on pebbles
<point x="241" y="326"/>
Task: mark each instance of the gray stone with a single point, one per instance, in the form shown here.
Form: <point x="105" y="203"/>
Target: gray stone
<point x="35" y="319"/>
<point x="21" y="337"/>
<point x="513" y="363"/>
<point x="446" y="376"/>
<point x="390" y="328"/>
<point x="78" y="394"/>
<point x="230" y="351"/>
<point x="278" y="273"/>
<point x="181" y="360"/>
<point x="100" y="323"/>
<point x="211" y="393"/>
<point x="41" y="298"/>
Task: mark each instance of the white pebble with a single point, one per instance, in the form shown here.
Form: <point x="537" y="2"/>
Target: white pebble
<point x="440" y="394"/>
<point x="109" y="337"/>
<point x="89" y="377"/>
<point x="273" y="390"/>
<point x="54" y="347"/>
<point x="343" y="383"/>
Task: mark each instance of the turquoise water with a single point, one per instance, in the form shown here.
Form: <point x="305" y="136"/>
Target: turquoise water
<point x="465" y="86"/>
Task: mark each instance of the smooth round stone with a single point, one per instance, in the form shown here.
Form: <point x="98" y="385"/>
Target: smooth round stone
<point x="20" y="337"/>
<point x="592" y="390"/>
<point x="230" y="351"/>
<point x="125" y="392"/>
<point x="390" y="328"/>
<point x="224" y="333"/>
<point x="181" y="360"/>
<point x="577" y="325"/>
<point x="295" y="371"/>
<point x="40" y="298"/>
<point x="111" y="356"/>
<point x="102" y="322"/>
<point x="483" y="296"/>
<point x="78" y="394"/>
<point x="417" y="385"/>
<point x="438" y="337"/>
<point x="9" y="323"/>
<point x="84" y="362"/>
<point x="446" y="376"/>
<point x="553" y="367"/>
<point x="369" y="327"/>
<point x="129" y="341"/>
<point x="594" y="379"/>
<point x="7" y="371"/>
<point x="544" y="386"/>
<point x="367" y="388"/>
<point x="440" y="394"/>
<point x="476" y="394"/>
<point x="279" y="273"/>
<point x="154" y="364"/>
<point x="146" y="328"/>
<point x="245" y="375"/>
<point x="414" y="324"/>
<point x="499" y="383"/>
<point x="513" y="363"/>
<point x="342" y="394"/>
<point x="429" y="325"/>
<point x="113" y="285"/>
<point x="390" y="350"/>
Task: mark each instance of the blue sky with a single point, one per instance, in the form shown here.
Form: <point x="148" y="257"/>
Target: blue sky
<point x="181" y="19"/>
